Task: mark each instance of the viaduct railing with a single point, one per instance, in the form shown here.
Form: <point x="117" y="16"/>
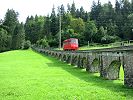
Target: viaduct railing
<point x="105" y="61"/>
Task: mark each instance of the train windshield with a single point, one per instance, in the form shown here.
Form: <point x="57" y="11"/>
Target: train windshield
<point x="74" y="41"/>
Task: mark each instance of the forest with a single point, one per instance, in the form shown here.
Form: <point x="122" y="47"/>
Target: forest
<point x="104" y="23"/>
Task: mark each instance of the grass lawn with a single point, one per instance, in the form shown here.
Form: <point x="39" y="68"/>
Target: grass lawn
<point x="96" y="46"/>
<point x="92" y="47"/>
<point x="26" y="75"/>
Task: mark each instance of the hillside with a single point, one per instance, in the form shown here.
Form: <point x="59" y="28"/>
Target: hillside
<point x="27" y="75"/>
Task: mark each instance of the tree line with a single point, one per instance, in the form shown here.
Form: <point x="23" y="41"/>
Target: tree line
<point x="103" y="24"/>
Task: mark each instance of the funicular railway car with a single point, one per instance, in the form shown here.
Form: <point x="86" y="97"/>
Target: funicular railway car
<point x="70" y="44"/>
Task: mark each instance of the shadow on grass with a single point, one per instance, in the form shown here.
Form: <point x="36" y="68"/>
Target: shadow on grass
<point x="94" y="79"/>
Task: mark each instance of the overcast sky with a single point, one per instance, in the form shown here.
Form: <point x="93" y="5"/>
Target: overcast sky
<point x="40" y="7"/>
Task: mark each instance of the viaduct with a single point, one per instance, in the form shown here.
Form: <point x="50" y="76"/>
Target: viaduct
<point x="105" y="61"/>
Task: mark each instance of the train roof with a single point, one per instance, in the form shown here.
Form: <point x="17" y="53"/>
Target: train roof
<point x="68" y="40"/>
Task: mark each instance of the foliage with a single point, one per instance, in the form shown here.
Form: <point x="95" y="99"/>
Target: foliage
<point x="3" y="39"/>
<point x="54" y="27"/>
<point x="109" y="39"/>
<point x="18" y="36"/>
<point x="90" y="30"/>
<point x="104" y="23"/>
<point x="12" y="32"/>
<point x="43" y="42"/>
<point x="10" y="20"/>
<point x="26" y="45"/>
<point x="78" y="25"/>
<point x="34" y="28"/>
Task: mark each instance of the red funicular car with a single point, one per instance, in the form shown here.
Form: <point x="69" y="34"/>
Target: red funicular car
<point x="70" y="44"/>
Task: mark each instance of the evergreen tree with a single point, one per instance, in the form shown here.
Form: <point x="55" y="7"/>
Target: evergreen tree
<point x="117" y="7"/>
<point x="34" y="28"/>
<point x="46" y="27"/>
<point x="61" y="11"/>
<point x="73" y="10"/>
<point x="98" y="36"/>
<point x="131" y="6"/>
<point x="39" y="23"/>
<point x="18" y="36"/>
<point x="68" y="8"/>
<point x="118" y="18"/>
<point x="66" y="21"/>
<point x="128" y="28"/>
<point x="3" y="39"/>
<point x="82" y="13"/>
<point x="10" y="21"/>
<point x="93" y="15"/>
<point x="29" y="29"/>
<point x="78" y="13"/>
<point x="126" y="8"/>
<point x="95" y="12"/>
<point x="86" y="17"/>
<point x="54" y="23"/>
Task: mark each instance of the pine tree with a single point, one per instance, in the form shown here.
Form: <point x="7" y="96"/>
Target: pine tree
<point x="18" y="36"/>
<point x="29" y="29"/>
<point x="10" y="21"/>
<point x="3" y="39"/>
<point x="95" y="12"/>
<point x="53" y="25"/>
<point x="68" y="8"/>
<point x="46" y="27"/>
<point x="73" y="10"/>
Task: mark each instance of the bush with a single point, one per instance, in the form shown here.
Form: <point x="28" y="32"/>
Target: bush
<point x="43" y="42"/>
<point x="109" y="39"/>
<point x="26" y="45"/>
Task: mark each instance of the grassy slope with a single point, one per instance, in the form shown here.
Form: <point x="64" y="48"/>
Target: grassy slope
<point x="95" y="46"/>
<point x="26" y="75"/>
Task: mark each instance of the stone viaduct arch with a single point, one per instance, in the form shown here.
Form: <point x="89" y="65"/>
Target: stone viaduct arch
<point x="107" y="61"/>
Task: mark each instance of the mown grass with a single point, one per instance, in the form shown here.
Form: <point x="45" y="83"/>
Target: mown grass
<point x="27" y="75"/>
<point x="103" y="46"/>
<point x="95" y="47"/>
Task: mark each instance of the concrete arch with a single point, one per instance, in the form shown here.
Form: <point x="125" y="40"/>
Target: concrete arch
<point x="113" y="70"/>
<point x="95" y="65"/>
<point x="52" y="54"/>
<point x="59" y="56"/>
<point x="79" y="64"/>
<point x="84" y="62"/>
<point x="64" y="58"/>
<point x="56" y="54"/>
<point x="68" y="60"/>
<point x="74" y="60"/>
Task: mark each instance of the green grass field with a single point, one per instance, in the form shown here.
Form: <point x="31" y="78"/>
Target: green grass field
<point x="97" y="46"/>
<point x="26" y="75"/>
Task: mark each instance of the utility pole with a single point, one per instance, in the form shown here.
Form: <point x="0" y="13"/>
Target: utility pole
<point x="59" y="28"/>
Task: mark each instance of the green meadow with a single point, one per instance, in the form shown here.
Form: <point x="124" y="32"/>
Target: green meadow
<point x="27" y="75"/>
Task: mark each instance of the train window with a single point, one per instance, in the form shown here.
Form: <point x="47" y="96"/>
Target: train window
<point x="74" y="41"/>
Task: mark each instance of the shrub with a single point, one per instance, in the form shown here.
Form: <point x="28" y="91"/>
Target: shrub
<point x="109" y="39"/>
<point x="26" y="45"/>
<point x="43" y="42"/>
